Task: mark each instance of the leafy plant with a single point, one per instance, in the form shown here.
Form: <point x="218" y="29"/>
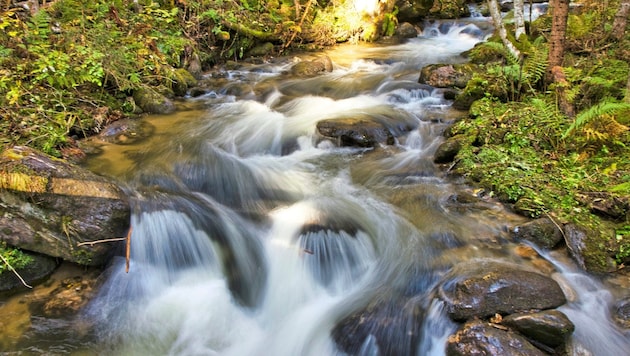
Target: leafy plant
<point x="16" y="258"/>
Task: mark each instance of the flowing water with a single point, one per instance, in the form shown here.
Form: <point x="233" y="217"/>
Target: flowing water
<point x="252" y="235"/>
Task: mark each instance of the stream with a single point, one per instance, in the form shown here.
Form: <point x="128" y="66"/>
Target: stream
<point x="253" y="235"/>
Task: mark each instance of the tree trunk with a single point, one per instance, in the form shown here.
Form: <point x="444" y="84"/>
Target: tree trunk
<point x="493" y="6"/>
<point x="519" y="19"/>
<point x="559" y="15"/>
<point x="621" y="19"/>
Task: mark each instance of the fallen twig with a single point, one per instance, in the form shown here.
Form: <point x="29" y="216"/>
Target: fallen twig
<point x="14" y="271"/>
<point x="127" y="252"/>
<point x="92" y="243"/>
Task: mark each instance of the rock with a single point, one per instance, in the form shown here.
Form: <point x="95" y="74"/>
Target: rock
<point x="550" y="327"/>
<point x="126" y="131"/>
<point x="480" y="338"/>
<point x="390" y="325"/>
<point x="543" y="232"/>
<point x="606" y="204"/>
<point x="585" y="248"/>
<point x="448" y="149"/>
<point x="359" y="132"/>
<point x="50" y="206"/>
<point x="621" y="313"/>
<point x="150" y="101"/>
<point x="261" y="50"/>
<point x="72" y="295"/>
<point x="406" y="30"/>
<point x="313" y="67"/>
<point x="36" y="271"/>
<point x="483" y="288"/>
<point x="446" y="75"/>
<point x="182" y="80"/>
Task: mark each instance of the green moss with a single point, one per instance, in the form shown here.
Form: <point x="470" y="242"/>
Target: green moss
<point x="15" y="257"/>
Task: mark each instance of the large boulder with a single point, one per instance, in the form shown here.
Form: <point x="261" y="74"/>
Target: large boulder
<point x="483" y="288"/>
<point x="58" y="209"/>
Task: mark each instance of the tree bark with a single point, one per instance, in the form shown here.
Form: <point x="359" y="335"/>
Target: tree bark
<point x="519" y="19"/>
<point x="493" y="6"/>
<point x="557" y="38"/>
<point x="621" y="19"/>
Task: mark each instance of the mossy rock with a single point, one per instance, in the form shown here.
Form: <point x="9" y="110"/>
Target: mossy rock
<point x="152" y="102"/>
<point x="182" y="81"/>
<point x="588" y="248"/>
<point x="262" y="50"/>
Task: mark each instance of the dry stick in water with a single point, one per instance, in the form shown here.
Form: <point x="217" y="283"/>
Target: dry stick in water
<point x="127" y="251"/>
<point x="14" y="271"/>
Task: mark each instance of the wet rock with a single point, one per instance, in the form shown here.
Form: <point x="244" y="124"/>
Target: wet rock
<point x="71" y="295"/>
<point x="621" y="312"/>
<point x="406" y="30"/>
<point x="550" y="327"/>
<point x="36" y="271"/>
<point x="359" y="132"/>
<point x="150" y="101"/>
<point x="56" y="208"/>
<point x="389" y="325"/>
<point x="483" y="288"/>
<point x="480" y="338"/>
<point x="446" y="75"/>
<point x="543" y="232"/>
<point x="126" y="131"/>
<point x="448" y="149"/>
<point x="585" y="248"/>
<point x="313" y="67"/>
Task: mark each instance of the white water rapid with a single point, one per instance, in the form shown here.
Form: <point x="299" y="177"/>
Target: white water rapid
<point x="253" y="236"/>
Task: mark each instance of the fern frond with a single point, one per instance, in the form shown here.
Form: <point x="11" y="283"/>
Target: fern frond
<point x="535" y="66"/>
<point x="604" y="108"/>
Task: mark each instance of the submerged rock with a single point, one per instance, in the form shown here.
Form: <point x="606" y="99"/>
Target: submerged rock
<point x="483" y="288"/>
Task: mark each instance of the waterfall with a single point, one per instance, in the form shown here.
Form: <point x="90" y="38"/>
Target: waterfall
<point x="252" y="234"/>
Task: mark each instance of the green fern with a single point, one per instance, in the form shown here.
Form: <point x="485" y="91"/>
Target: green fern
<point x="603" y="108"/>
<point x="535" y="66"/>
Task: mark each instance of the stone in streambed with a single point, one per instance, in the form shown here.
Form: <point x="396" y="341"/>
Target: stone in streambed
<point x="481" y="338"/>
<point x="550" y="327"/>
<point x="483" y="288"/>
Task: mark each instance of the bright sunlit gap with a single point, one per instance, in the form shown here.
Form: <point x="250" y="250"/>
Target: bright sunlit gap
<point x="366" y="6"/>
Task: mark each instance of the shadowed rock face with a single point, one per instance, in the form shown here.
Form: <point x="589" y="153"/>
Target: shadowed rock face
<point x="483" y="288"/>
<point x="55" y="208"/>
